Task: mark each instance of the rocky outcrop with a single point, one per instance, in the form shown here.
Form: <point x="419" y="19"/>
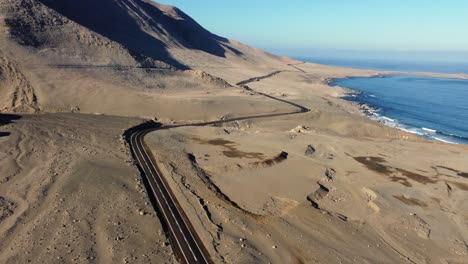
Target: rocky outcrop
<point x="310" y="150"/>
<point x="208" y="78"/>
<point x="18" y="91"/>
<point x="60" y="40"/>
<point x="6" y="208"/>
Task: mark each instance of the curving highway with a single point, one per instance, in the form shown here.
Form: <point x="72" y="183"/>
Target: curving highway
<point x="185" y="242"/>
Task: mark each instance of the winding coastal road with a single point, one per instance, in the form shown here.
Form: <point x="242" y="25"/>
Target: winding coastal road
<point x="185" y="242"/>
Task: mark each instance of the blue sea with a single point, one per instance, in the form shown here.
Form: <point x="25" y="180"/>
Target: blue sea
<point x="432" y="108"/>
<point x="393" y="64"/>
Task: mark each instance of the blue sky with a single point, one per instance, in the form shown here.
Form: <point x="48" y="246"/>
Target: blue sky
<point x="296" y="27"/>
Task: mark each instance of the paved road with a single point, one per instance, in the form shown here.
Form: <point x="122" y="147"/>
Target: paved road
<point x="185" y="242"/>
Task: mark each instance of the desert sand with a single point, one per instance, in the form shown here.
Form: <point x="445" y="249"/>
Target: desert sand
<point x="326" y="186"/>
<point x="350" y="191"/>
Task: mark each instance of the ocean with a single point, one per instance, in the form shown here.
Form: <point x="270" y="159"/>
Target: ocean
<point x="431" y="108"/>
<point x="392" y="64"/>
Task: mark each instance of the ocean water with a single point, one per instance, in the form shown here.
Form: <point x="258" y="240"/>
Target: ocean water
<point x="432" y="108"/>
<point x="392" y="64"/>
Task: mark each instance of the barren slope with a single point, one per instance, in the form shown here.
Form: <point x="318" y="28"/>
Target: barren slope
<point x="106" y="56"/>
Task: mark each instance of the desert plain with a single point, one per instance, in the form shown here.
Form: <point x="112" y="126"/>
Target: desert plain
<point x="323" y="186"/>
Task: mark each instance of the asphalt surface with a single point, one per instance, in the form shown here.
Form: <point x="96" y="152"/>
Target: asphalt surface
<point x="185" y="242"/>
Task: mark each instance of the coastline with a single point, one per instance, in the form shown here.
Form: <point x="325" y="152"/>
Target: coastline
<point x="372" y="112"/>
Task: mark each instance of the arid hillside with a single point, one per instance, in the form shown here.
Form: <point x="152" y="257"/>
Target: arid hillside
<point x="60" y="55"/>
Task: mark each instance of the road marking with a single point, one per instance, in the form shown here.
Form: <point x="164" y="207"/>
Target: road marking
<point x="165" y="200"/>
<point x="174" y="199"/>
<point x="157" y="200"/>
<point x="135" y="137"/>
<point x="167" y="203"/>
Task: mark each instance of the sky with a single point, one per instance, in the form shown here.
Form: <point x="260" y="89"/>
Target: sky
<point x="299" y="27"/>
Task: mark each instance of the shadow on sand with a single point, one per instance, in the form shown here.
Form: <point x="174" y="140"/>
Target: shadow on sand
<point x="4" y="134"/>
<point x="7" y="119"/>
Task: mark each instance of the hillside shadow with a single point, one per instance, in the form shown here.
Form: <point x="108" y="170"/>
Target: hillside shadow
<point x="4" y="134"/>
<point x="131" y="23"/>
<point x="187" y="31"/>
<point x="110" y="19"/>
<point x="7" y="119"/>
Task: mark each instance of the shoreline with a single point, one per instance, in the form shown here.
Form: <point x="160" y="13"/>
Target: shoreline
<point x="382" y="72"/>
<point x="379" y="74"/>
<point x="371" y="112"/>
